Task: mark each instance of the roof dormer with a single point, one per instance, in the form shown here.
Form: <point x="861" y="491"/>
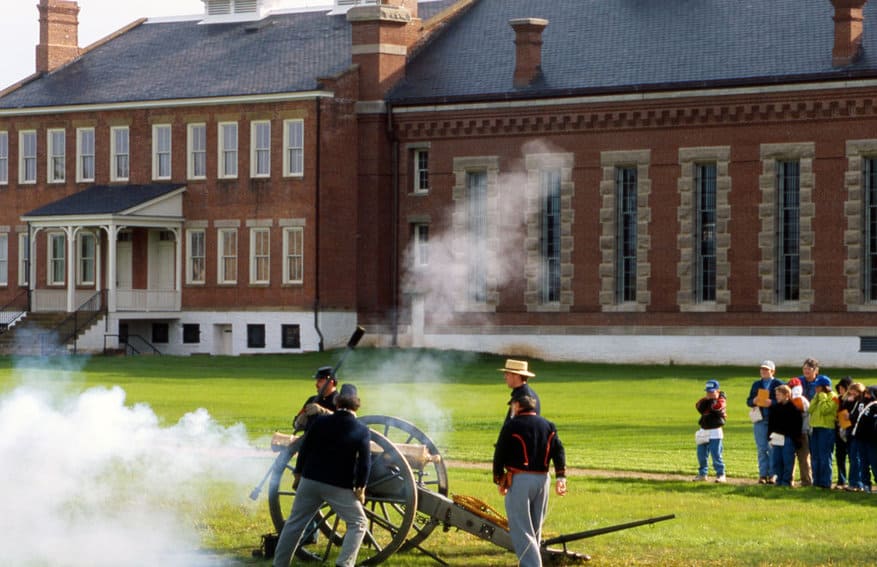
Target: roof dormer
<point x="235" y="10"/>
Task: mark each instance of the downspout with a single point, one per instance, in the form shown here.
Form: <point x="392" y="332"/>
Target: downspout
<point x="394" y="285"/>
<point x="317" y="229"/>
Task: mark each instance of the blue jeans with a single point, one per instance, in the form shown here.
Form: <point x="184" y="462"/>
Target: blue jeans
<point x="821" y="453"/>
<point x="782" y="461"/>
<point x="712" y="449"/>
<point x="856" y="457"/>
<point x="869" y="463"/>
<point x="761" y="445"/>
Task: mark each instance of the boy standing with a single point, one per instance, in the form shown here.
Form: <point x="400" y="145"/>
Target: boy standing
<point x="784" y="427"/>
<point x="712" y="417"/>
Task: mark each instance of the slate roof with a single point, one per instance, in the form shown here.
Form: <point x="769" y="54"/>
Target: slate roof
<point x="282" y="53"/>
<point x="624" y="45"/>
<point x="104" y="200"/>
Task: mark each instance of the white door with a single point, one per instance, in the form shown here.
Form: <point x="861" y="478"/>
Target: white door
<point x="162" y="250"/>
<point x="124" y="279"/>
<point x="222" y="339"/>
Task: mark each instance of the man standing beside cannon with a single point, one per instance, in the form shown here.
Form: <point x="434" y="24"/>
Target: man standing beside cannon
<point x="322" y="403"/>
<point x="516" y="374"/>
<point x="333" y="467"/>
<point x="526" y="444"/>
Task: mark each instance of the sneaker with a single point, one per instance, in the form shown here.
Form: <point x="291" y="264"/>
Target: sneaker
<point x="771" y="480"/>
<point x="721" y="479"/>
<point x="762" y="480"/>
<point x="699" y="478"/>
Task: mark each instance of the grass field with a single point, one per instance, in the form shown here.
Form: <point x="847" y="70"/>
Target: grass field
<point x="615" y="421"/>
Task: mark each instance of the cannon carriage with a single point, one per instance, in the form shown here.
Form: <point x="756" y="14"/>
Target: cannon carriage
<point x="407" y="498"/>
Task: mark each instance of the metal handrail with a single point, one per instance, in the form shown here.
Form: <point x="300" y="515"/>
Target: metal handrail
<point x="88" y="312"/>
<point x="12" y="311"/>
<point x="129" y="348"/>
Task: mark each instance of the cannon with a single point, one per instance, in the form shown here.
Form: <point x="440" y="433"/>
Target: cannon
<point x="407" y="498"/>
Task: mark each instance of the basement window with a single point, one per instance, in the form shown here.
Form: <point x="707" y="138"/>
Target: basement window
<point x="291" y="336"/>
<point x="255" y="336"/>
<point x="867" y="344"/>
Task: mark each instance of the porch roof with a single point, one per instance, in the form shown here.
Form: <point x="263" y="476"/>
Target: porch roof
<point x="152" y="200"/>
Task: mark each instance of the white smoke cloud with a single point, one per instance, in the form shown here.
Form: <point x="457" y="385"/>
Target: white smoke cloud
<point x="87" y="481"/>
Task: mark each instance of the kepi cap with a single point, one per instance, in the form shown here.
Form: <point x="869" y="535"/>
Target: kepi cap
<point x="324" y="372"/>
<point x="348" y="391"/>
<point x="519" y="367"/>
<point x="768" y="364"/>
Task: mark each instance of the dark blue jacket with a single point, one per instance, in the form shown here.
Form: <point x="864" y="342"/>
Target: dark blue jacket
<point x="528" y="442"/>
<point x="773" y="383"/>
<point x="523" y="390"/>
<point x="336" y="451"/>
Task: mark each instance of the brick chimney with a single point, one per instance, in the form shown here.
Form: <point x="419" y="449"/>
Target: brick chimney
<point x="528" y="49"/>
<point x="59" y="34"/>
<point x="380" y="38"/>
<point x="847" y="31"/>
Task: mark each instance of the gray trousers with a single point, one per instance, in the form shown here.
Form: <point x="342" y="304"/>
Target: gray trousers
<point x="526" y="505"/>
<point x="308" y="498"/>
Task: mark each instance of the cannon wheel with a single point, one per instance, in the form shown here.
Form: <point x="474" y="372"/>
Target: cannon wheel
<point x="390" y="506"/>
<point x="433" y="476"/>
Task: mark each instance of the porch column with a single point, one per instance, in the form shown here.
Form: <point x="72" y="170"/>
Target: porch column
<point x="112" y="231"/>
<point x="178" y="277"/>
<point x="70" y="233"/>
<point x="32" y="266"/>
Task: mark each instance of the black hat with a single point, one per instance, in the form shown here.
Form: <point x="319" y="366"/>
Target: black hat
<point x="325" y="372"/>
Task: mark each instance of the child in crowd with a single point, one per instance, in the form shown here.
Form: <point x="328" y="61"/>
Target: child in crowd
<point x="802" y="451"/>
<point x="865" y="435"/>
<point x="712" y="410"/>
<point x="853" y="404"/>
<point x="784" y="429"/>
<point x="823" y="419"/>
<point x="841" y="447"/>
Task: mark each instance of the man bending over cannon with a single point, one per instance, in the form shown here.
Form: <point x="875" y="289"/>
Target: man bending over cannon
<point x="527" y="442"/>
<point x="333" y="467"/>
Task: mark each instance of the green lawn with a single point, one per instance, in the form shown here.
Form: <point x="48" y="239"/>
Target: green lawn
<point x="610" y="418"/>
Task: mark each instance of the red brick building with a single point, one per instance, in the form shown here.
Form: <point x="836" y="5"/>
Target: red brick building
<point x="569" y="179"/>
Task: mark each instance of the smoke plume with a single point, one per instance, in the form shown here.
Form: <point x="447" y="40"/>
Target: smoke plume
<point x="89" y="481"/>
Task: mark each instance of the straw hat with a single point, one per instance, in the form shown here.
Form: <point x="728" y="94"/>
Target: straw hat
<point x="516" y="367"/>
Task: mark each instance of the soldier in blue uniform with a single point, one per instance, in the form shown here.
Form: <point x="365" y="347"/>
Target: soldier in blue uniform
<point x="333" y="467"/>
<point x="321" y="403"/>
<point x="526" y="444"/>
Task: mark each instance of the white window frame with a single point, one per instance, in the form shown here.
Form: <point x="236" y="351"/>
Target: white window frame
<point x="162" y="156"/>
<point x="293" y="148"/>
<point x="196" y="147"/>
<point x="196" y="255"/>
<point x="421" y="186"/>
<point x="25" y="158"/>
<point x="4" y="259"/>
<point x="260" y="256"/>
<point x="56" y="152"/>
<point x="260" y="148"/>
<point x="293" y="255"/>
<point x="54" y="261"/>
<point x="87" y="258"/>
<point x="120" y="157"/>
<point x="4" y="157"/>
<point x="84" y="154"/>
<point x="227" y="151"/>
<point x="420" y="244"/>
<point x="23" y="259"/>
<point x="226" y="257"/>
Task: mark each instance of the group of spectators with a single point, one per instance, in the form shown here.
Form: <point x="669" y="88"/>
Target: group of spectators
<point x="804" y="423"/>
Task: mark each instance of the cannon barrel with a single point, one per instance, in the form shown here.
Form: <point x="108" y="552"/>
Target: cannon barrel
<point x="608" y="529"/>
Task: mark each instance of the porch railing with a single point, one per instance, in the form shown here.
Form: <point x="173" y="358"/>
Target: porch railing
<point x="147" y="300"/>
<point x="129" y="343"/>
<point x="14" y="310"/>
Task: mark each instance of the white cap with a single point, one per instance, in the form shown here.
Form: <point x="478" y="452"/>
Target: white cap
<point x="769" y="365"/>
